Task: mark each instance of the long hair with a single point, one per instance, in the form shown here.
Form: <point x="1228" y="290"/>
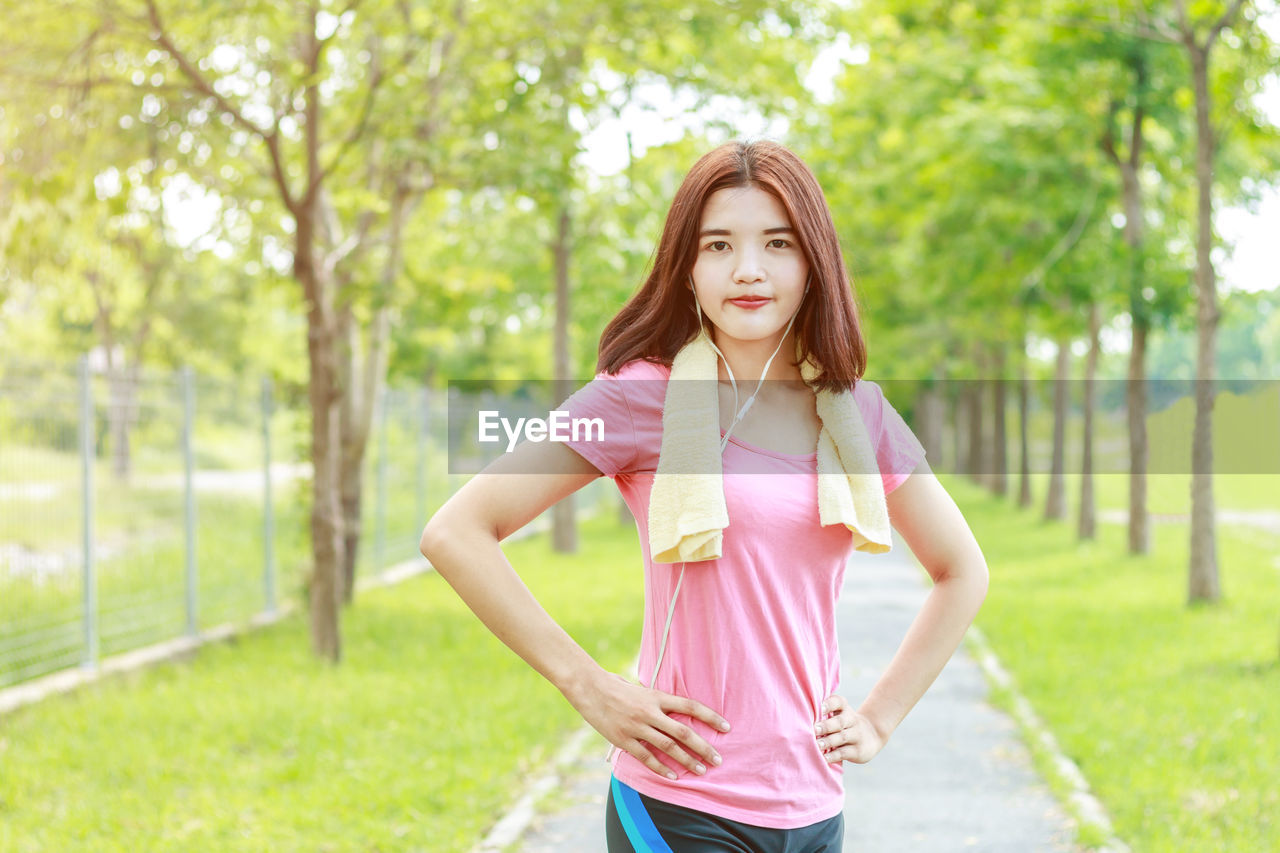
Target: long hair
<point x="661" y="317"/>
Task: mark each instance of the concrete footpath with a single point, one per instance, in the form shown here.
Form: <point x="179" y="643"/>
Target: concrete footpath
<point x="954" y="777"/>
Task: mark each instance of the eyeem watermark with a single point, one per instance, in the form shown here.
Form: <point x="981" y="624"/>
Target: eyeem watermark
<point x="558" y="427"/>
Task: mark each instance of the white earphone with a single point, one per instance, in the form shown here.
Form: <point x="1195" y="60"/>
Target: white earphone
<point x="742" y="412"/>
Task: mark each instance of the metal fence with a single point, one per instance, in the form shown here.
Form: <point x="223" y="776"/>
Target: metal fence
<point x="136" y="509"/>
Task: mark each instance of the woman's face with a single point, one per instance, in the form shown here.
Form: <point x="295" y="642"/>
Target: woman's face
<point x="750" y="270"/>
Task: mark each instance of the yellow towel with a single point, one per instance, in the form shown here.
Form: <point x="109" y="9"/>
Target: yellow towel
<point x="687" y="513"/>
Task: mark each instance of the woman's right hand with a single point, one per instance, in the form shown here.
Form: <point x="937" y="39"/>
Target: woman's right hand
<point x="635" y="719"/>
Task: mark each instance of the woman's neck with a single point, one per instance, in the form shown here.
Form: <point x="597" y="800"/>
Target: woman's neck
<point x="748" y="358"/>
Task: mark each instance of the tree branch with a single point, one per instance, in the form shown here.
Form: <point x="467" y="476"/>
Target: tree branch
<point x="1065" y="243"/>
<point x="427" y="126"/>
<point x="1185" y="29"/>
<point x="355" y="243"/>
<point x="1135" y="138"/>
<point x="89" y="83"/>
<point x="271" y="137"/>
<point x="352" y="6"/>
<point x="1108" y="140"/>
<point x="102" y="318"/>
<point x="312" y="96"/>
<point x="161" y="36"/>
<point x="358" y="129"/>
<point x="1222" y="23"/>
<point x="1139" y="29"/>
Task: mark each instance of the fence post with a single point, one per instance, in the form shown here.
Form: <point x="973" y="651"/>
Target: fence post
<point x="380" y="516"/>
<point x="89" y="577"/>
<point x="421" y="439"/>
<point x="188" y="424"/>
<point x="450" y="478"/>
<point x="268" y="508"/>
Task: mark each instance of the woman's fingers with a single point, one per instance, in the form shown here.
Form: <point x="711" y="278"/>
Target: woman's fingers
<point x="638" y="751"/>
<point x="845" y="753"/>
<point x="833" y="731"/>
<point x="678" y="737"/>
<point x="836" y="732"/>
<point x="831" y="725"/>
<point x="667" y="744"/>
<point x="637" y="719"/>
<point x="693" y="708"/>
<point x="846" y="735"/>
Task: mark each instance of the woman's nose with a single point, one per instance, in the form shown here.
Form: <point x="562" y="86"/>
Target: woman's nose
<point x="748" y="268"/>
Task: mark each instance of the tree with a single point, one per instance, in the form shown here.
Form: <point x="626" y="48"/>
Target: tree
<point x="300" y="80"/>
<point x="92" y="241"/>
<point x="1198" y="34"/>
<point x="960" y="171"/>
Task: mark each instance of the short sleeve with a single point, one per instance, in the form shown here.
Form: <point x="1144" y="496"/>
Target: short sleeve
<point x="898" y="451"/>
<point x="602" y="430"/>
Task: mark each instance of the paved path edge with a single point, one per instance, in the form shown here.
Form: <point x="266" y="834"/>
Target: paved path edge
<point x="1081" y="803"/>
<point x="513" y="825"/>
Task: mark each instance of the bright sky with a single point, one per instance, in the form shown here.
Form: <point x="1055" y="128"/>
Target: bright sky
<point x="1250" y="264"/>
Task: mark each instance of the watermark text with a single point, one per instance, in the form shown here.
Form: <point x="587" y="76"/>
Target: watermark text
<point x="558" y="427"/>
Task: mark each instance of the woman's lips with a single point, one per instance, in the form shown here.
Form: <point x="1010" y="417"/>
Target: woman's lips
<point x="749" y="303"/>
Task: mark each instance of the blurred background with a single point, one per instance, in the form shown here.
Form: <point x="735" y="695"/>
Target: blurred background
<point x="245" y="247"/>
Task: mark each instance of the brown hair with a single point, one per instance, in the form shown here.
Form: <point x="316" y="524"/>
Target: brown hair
<point x="661" y="317"/>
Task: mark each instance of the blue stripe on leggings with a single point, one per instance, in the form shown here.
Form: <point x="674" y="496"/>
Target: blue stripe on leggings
<point x="641" y="832"/>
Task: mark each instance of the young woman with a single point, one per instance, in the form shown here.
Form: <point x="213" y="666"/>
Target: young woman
<point x="737" y="737"/>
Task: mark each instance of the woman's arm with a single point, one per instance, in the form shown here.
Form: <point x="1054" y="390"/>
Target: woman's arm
<point x="937" y="534"/>
<point x="461" y="541"/>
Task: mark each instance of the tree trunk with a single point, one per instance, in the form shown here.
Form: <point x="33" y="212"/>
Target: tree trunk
<point x="326" y="512"/>
<point x="1088" y="521"/>
<point x="1136" y="402"/>
<point x="1136" y="392"/>
<point x="123" y="383"/>
<point x="1024" y="432"/>
<point x="932" y="409"/>
<point x="1055" y="503"/>
<point x="999" y="441"/>
<point x="353" y="429"/>
<point x="977" y="459"/>
<point x="364" y="378"/>
<point x="1202" y="584"/>
<point x="564" y="530"/>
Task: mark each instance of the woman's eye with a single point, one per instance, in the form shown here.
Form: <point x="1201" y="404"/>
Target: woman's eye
<point x="717" y="246"/>
<point x="781" y="244"/>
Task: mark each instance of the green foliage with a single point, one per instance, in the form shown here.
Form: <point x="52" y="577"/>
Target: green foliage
<point x="1166" y="709"/>
<point x="252" y="744"/>
<point x="958" y="158"/>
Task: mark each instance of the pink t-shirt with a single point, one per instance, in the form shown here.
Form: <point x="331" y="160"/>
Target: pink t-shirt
<point x="753" y="636"/>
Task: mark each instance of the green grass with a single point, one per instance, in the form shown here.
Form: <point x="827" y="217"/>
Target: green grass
<point x="1170" y="711"/>
<point x="141" y="576"/>
<point x="417" y="741"/>
<point x="421" y="737"/>
<point x="139" y="531"/>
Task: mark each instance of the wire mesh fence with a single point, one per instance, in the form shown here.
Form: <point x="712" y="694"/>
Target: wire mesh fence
<point x="139" y="507"/>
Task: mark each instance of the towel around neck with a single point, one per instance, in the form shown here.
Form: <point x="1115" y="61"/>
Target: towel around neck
<point x="687" y="512"/>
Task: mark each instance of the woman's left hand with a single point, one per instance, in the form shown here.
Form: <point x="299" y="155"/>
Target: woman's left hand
<point x="846" y="735"/>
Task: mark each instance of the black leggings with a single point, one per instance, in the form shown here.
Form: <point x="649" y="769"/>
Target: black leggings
<point x="635" y="823"/>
